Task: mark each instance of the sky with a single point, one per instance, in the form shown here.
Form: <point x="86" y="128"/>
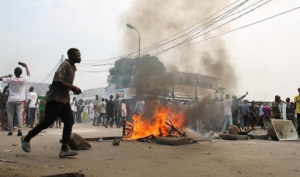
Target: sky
<point x="38" y="33"/>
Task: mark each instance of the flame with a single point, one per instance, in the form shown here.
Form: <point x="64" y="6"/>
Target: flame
<point x="156" y="126"/>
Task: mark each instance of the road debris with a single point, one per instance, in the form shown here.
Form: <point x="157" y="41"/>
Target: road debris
<point x="116" y="142"/>
<point x="13" y="168"/>
<point x="8" y="150"/>
<point x="8" y="161"/>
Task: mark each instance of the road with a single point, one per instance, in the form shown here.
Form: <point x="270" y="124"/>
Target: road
<point x="135" y="159"/>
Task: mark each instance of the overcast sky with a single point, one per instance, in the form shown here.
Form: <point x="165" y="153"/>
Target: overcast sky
<point x="265" y="56"/>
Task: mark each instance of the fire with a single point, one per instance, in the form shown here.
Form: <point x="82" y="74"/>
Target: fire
<point x="156" y="126"/>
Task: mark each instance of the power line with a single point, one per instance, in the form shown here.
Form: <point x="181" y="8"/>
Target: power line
<point x="221" y="17"/>
<point x="92" y="64"/>
<point x="48" y="80"/>
<point x="56" y="66"/>
<point x="198" y="33"/>
<point x="128" y="55"/>
<point x="204" y="27"/>
<point x="251" y="24"/>
<point x="191" y="26"/>
<point x="214" y="21"/>
<point x="97" y="71"/>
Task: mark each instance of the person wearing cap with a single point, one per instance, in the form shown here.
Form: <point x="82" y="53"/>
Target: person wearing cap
<point x="235" y="107"/>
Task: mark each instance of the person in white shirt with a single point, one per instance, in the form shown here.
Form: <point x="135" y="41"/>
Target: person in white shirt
<point x="139" y="106"/>
<point x="227" y="103"/>
<point x="261" y="115"/>
<point x="16" y="96"/>
<point x="91" y="112"/>
<point x="123" y="113"/>
<point x="74" y="107"/>
<point x="31" y="105"/>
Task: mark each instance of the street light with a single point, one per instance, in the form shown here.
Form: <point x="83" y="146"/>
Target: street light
<point x="138" y="87"/>
<point x="131" y="27"/>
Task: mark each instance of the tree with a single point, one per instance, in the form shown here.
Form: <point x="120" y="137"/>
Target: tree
<point x="124" y="69"/>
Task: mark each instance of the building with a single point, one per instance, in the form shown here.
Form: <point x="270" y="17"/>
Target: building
<point x="90" y="94"/>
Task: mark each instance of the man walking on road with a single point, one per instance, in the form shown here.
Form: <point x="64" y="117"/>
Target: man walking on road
<point x="58" y="104"/>
<point x="16" y="96"/>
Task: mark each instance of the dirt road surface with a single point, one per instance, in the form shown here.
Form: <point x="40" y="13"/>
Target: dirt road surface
<point x="250" y="158"/>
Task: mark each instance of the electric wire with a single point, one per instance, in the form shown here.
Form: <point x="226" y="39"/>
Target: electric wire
<point x="222" y="16"/>
<point x="56" y="66"/>
<point x="204" y="27"/>
<point x="245" y="26"/>
<point x="129" y="55"/>
<point x="191" y="26"/>
<point x="198" y="33"/>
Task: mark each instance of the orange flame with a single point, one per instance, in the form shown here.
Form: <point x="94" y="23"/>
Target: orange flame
<point x="156" y="126"/>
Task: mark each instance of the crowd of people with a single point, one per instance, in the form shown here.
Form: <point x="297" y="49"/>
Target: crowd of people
<point x="218" y="114"/>
<point x="41" y="112"/>
<point x="102" y="111"/>
<point x="213" y="114"/>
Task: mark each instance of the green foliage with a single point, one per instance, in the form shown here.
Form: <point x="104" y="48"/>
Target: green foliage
<point x="124" y="68"/>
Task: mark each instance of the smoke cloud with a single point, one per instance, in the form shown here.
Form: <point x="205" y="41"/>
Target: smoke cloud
<point x="159" y="19"/>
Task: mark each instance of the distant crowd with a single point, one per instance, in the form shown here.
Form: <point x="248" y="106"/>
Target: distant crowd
<point x="215" y="114"/>
<point x="218" y="114"/>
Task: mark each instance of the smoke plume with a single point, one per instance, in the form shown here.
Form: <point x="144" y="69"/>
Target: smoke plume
<point x="159" y="19"/>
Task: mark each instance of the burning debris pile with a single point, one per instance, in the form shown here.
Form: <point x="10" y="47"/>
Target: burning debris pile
<point x="163" y="123"/>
